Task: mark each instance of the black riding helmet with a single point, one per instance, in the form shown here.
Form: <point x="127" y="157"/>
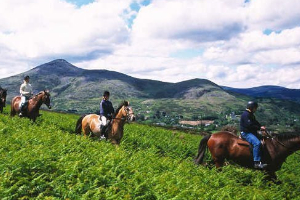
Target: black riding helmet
<point x="252" y="104"/>
<point x="26" y="77"/>
<point x="106" y="93"/>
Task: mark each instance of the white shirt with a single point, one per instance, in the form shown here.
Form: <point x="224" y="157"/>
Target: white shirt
<point x="26" y="89"/>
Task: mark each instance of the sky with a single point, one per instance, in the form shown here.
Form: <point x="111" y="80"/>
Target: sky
<point x="235" y="43"/>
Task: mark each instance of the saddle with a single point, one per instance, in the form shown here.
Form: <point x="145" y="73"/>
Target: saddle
<point x="243" y="142"/>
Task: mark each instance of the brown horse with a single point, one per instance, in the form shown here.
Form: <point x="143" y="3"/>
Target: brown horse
<point x="33" y="106"/>
<point x="91" y="123"/>
<point x="225" y="145"/>
<point x="3" y="93"/>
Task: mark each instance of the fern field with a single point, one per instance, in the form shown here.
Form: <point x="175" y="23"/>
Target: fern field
<point x="46" y="160"/>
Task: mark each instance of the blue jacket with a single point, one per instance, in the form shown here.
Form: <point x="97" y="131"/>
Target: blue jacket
<point x="248" y="123"/>
<point x="106" y="108"/>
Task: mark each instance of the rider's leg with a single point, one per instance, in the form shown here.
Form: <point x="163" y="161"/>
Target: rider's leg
<point x="252" y="139"/>
<point x="23" y="101"/>
<point x="103" y="125"/>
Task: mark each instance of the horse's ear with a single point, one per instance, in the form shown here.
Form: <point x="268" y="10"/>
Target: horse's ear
<point x="126" y="103"/>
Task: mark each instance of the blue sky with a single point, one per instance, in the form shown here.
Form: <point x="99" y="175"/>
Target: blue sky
<point x="233" y="43"/>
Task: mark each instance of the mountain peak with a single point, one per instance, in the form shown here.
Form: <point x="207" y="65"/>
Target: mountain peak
<point x="58" y="66"/>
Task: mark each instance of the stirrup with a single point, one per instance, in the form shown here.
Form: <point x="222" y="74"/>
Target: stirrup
<point x="260" y="165"/>
<point x="102" y="137"/>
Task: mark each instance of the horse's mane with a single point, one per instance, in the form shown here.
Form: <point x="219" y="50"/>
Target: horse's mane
<point x="2" y="90"/>
<point x="287" y="136"/>
<point x="123" y="103"/>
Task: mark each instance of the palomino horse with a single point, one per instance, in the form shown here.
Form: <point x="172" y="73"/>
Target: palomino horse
<point x="3" y="93"/>
<point x="225" y="145"/>
<point x="34" y="104"/>
<point x="91" y="123"/>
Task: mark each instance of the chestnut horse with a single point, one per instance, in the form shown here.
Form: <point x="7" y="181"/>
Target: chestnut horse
<point x="225" y="145"/>
<point x="33" y="106"/>
<point x="3" y="93"/>
<point x="91" y="123"/>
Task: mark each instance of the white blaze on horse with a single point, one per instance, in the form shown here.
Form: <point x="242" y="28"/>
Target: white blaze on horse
<point x="91" y="123"/>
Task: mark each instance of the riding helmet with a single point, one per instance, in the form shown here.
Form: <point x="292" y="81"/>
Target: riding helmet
<point x="106" y="93"/>
<point x="252" y="104"/>
<point x="26" y="77"/>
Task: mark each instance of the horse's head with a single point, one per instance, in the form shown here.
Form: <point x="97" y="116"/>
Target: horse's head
<point x="3" y="93"/>
<point x="126" y="111"/>
<point x="46" y="98"/>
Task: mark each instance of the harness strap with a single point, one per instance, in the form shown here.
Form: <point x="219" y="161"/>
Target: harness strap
<point x="273" y="138"/>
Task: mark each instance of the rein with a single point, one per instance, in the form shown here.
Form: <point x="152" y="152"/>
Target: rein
<point x="274" y="138"/>
<point x="123" y="118"/>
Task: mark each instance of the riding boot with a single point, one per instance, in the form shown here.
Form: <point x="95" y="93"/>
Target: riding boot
<point x="259" y="165"/>
<point x="102" y="132"/>
<point x="21" y="111"/>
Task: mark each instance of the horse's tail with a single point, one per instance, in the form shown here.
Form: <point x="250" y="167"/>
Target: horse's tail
<point x="202" y="149"/>
<point x="78" y="127"/>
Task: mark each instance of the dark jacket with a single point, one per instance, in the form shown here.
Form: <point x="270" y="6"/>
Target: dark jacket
<point x="248" y="123"/>
<point x="106" y="108"/>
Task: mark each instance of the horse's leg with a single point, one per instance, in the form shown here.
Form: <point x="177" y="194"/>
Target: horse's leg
<point x="114" y="141"/>
<point x="85" y="129"/>
<point x="219" y="162"/>
<point x="271" y="176"/>
<point x="12" y="110"/>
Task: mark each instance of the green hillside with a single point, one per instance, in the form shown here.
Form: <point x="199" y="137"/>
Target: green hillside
<point x="78" y="86"/>
<point x="46" y="160"/>
<point x="78" y="90"/>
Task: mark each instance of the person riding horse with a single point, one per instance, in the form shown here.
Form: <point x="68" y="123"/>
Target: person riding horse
<point x="249" y="127"/>
<point x="106" y="112"/>
<point x="26" y="94"/>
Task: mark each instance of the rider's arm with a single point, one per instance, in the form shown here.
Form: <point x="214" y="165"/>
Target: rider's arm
<point x="101" y="109"/>
<point x="22" y="90"/>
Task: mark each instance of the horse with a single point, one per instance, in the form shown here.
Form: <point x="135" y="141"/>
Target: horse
<point x="225" y="145"/>
<point x="3" y="93"/>
<point x="33" y="106"/>
<point x="91" y="123"/>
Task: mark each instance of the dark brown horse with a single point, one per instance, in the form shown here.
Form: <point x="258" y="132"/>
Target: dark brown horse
<point x="225" y="145"/>
<point x="91" y="123"/>
<point x="3" y="93"/>
<point x="33" y="106"/>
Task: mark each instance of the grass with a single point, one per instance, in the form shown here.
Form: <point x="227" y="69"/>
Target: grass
<point x="46" y="160"/>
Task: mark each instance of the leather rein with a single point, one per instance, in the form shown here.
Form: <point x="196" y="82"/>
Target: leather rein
<point x="279" y="142"/>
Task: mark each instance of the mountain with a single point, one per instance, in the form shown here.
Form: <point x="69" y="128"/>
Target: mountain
<point x="66" y="81"/>
<point x="78" y="90"/>
<point x="268" y="92"/>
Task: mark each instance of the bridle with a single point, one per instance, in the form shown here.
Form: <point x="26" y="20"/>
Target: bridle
<point x="127" y="115"/>
<point x="279" y="142"/>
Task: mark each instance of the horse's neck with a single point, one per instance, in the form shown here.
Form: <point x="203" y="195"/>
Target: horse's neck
<point x="118" y="122"/>
<point x="36" y="101"/>
<point x="293" y="142"/>
<point x="286" y="146"/>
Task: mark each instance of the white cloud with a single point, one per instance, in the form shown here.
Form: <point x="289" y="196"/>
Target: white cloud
<point x="101" y="35"/>
<point x="273" y="14"/>
<point x="52" y="27"/>
<point x="200" y="21"/>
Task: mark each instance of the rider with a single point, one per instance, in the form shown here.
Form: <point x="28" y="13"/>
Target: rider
<point x="249" y="127"/>
<point x="26" y="93"/>
<point x="106" y="112"/>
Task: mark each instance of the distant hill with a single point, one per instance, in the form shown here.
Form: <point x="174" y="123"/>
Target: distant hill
<point x="268" y="92"/>
<point x="155" y="102"/>
<point x="68" y="82"/>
